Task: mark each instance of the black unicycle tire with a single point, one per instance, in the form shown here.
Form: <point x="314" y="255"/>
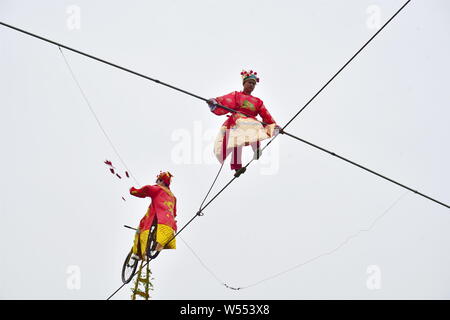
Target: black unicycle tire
<point x="151" y="242"/>
<point x="125" y="266"/>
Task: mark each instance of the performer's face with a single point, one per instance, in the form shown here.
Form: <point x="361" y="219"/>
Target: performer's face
<point x="160" y="182"/>
<point x="249" y="86"/>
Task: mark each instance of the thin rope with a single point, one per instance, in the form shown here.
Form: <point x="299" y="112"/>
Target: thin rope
<point x="203" y="264"/>
<point x="110" y="143"/>
<point x="124" y="164"/>
<point x="330" y="252"/>
<point x="91" y="109"/>
<point x="210" y="188"/>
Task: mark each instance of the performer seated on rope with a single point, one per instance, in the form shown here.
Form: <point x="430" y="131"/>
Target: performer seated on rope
<point x="242" y="130"/>
<point x="164" y="208"/>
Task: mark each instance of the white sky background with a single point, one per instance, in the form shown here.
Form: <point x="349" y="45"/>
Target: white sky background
<point x="388" y="110"/>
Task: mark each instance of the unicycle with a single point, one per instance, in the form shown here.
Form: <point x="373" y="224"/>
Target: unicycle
<point x="129" y="268"/>
<point x="152" y="253"/>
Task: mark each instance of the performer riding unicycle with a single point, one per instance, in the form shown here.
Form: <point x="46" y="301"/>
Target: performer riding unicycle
<point x="162" y="212"/>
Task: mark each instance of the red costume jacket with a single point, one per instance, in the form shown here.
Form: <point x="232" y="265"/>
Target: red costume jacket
<point x="163" y="205"/>
<point x="244" y="103"/>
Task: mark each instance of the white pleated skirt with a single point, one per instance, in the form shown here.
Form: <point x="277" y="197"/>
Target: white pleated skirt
<point x="245" y="132"/>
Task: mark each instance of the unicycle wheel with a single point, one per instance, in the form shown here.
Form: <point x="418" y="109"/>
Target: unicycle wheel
<point x="129" y="268"/>
<point x="152" y="253"/>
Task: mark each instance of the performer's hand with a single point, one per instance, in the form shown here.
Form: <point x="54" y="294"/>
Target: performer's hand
<point x="277" y="130"/>
<point x="211" y="104"/>
<point x="131" y="190"/>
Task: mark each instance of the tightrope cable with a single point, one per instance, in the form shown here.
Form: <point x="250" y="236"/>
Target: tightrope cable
<point x="345" y="65"/>
<point x="369" y="170"/>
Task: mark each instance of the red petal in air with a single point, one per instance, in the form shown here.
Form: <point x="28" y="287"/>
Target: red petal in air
<point x="123" y="199"/>
<point x="126" y="172"/>
<point x="109" y="163"/>
<point x="112" y="170"/>
<point x="118" y="176"/>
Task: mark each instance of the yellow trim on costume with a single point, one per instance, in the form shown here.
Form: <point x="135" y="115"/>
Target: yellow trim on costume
<point x="170" y="205"/>
<point x="248" y="105"/>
